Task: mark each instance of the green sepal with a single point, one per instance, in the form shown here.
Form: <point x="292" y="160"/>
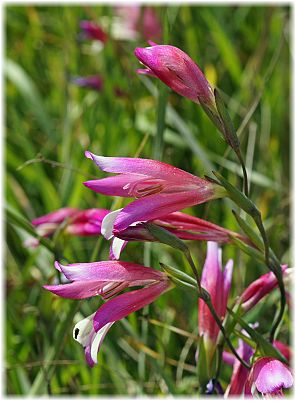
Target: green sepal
<point x="248" y="230"/>
<point x="228" y="130"/>
<point x="238" y="197"/>
<point x="178" y="274"/>
<point x="266" y="348"/>
<point x="165" y="237"/>
<point x="213" y="116"/>
<point x="202" y="366"/>
<point x="254" y="253"/>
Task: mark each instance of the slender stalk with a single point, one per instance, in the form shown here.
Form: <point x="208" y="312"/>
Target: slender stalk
<point x="195" y="272"/>
<point x="205" y="296"/>
<point x="207" y="299"/>
<point x="277" y="271"/>
<point x="245" y="175"/>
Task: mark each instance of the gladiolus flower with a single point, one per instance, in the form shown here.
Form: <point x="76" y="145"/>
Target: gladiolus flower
<point x="284" y="349"/>
<point x="269" y="376"/>
<point x="217" y="283"/>
<point x="91" y="30"/>
<point x="259" y="288"/>
<point x="77" y="222"/>
<point x="107" y="279"/>
<point x="178" y="71"/>
<point x="135" y="20"/>
<point x="182" y="225"/>
<point x="160" y="188"/>
<point x="94" y="82"/>
<point x="240" y="373"/>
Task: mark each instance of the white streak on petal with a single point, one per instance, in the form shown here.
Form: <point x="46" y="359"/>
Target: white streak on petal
<point x="83" y="330"/>
<point x="117" y="245"/>
<point x="97" y="341"/>
<point x="108" y="223"/>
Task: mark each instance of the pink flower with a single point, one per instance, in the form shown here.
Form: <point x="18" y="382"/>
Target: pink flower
<point x="94" y="82"/>
<point x="259" y="288"/>
<point x="269" y="376"/>
<point x="91" y="30"/>
<point x="217" y="283"/>
<point x="160" y="188"/>
<point x="178" y="71"/>
<point x="107" y="279"/>
<point x="239" y="373"/>
<point x="180" y="224"/>
<point x="284" y="349"/>
<point x="77" y="222"/>
<point x="135" y="19"/>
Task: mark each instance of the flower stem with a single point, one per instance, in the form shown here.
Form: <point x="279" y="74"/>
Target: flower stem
<point x="245" y="175"/>
<point x="205" y="296"/>
<point x="277" y="271"/>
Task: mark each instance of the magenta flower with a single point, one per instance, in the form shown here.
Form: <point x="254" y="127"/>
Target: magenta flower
<point x="239" y="373"/>
<point x="180" y="224"/>
<point x="91" y="30"/>
<point x="269" y="376"/>
<point x="284" y="349"/>
<point x="107" y="279"/>
<point x="94" y="82"/>
<point x="135" y="20"/>
<point x="77" y="222"/>
<point x="259" y="288"/>
<point x="217" y="283"/>
<point x="178" y="71"/>
<point x="160" y="188"/>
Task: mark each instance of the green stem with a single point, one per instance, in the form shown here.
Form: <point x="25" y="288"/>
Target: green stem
<point x="277" y="271"/>
<point x="207" y="299"/>
<point x="195" y="272"/>
<point x="245" y="175"/>
<point x="205" y="296"/>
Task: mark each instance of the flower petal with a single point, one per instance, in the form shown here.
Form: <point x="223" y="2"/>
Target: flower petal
<point x="116" y="248"/>
<point x="155" y="206"/>
<point x="108" y="224"/>
<point x="55" y="217"/>
<point x="147" y="167"/>
<point x="77" y="289"/>
<point x="109" y="271"/>
<point x="97" y="341"/>
<point x="83" y="330"/>
<point x="270" y="375"/>
<point x="124" y="304"/>
<point x="118" y="185"/>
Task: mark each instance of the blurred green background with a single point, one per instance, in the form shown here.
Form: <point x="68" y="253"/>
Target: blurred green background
<point x="245" y="52"/>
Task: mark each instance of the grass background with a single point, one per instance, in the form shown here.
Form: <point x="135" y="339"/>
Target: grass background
<point x="244" y="51"/>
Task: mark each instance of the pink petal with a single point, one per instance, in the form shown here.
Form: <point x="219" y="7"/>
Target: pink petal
<point x="124" y="304"/>
<point x="96" y="215"/>
<point x="147" y="167"/>
<point x="240" y="373"/>
<point x="84" y="229"/>
<point x="145" y="71"/>
<point x="119" y="185"/>
<point x="57" y="216"/>
<point x="77" y="289"/>
<point x="154" y="206"/>
<point x="270" y="375"/>
<point x="109" y="271"/>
